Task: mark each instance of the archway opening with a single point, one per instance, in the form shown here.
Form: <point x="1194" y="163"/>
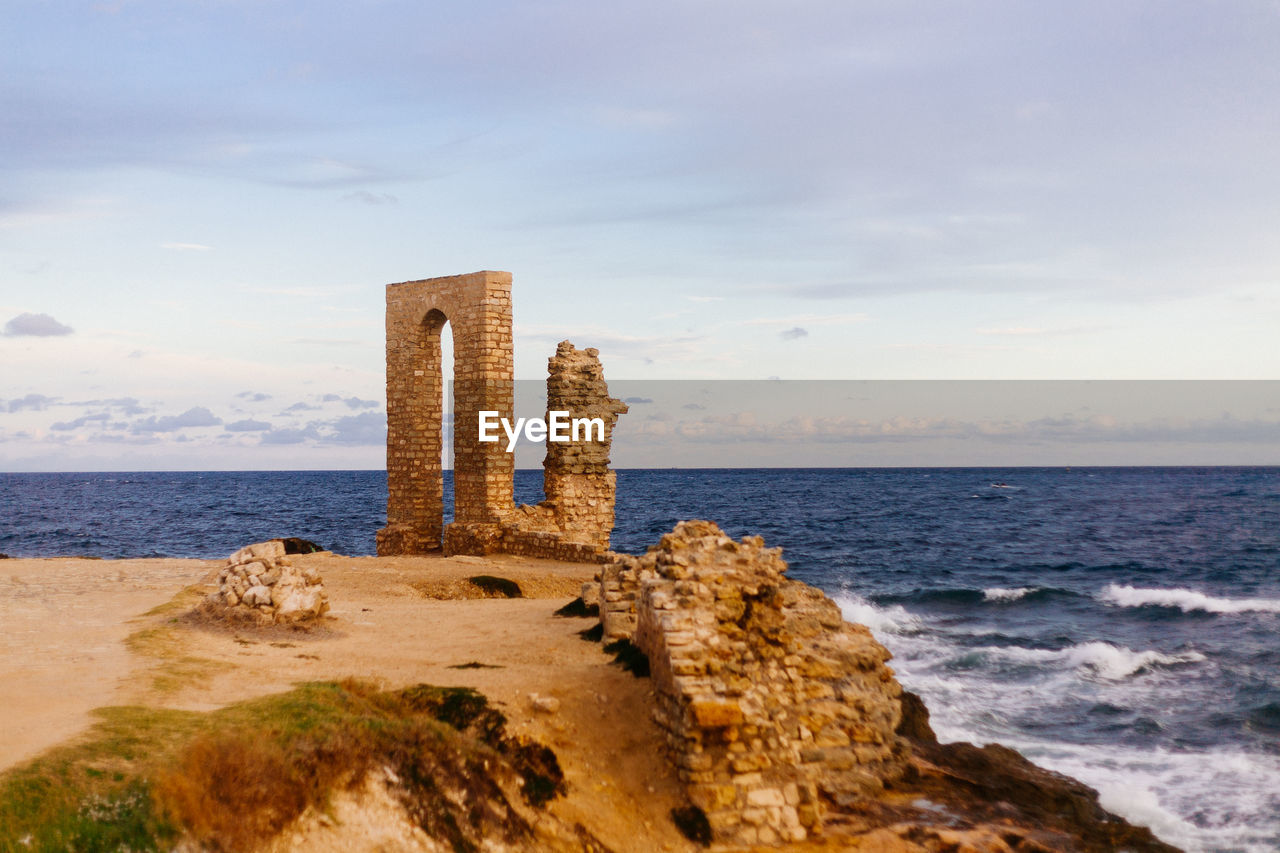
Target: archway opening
<point x="447" y="419"/>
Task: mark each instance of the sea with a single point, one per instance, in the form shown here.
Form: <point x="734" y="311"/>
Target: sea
<point x="1120" y="625"/>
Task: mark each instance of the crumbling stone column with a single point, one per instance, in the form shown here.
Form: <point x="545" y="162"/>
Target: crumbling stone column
<point x="577" y="480"/>
<point x="478" y="308"/>
<point x="576" y="518"/>
<point x="772" y="703"/>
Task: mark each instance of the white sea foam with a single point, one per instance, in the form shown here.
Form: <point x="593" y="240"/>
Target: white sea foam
<point x="999" y="593"/>
<point x="1234" y="794"/>
<point x="1093" y="659"/>
<point x="1186" y="600"/>
<point x="1204" y="802"/>
<point x="1117" y="662"/>
<point x="881" y="620"/>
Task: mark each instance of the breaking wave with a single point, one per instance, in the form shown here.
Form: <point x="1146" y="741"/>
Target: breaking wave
<point x="1103" y="660"/>
<point x="894" y="619"/>
<point x="999" y="593"/>
<point x="1186" y="600"/>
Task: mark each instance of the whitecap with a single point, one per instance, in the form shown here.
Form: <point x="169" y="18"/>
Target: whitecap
<point x="1116" y="662"/>
<point x="881" y="620"/>
<point x="1186" y="600"/>
<point x="1233" y="794"/>
<point x="1094" y="659"/>
<point x="999" y="593"/>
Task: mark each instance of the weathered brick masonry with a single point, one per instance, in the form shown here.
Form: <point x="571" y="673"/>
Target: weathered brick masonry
<point x="771" y="702"/>
<point x="575" y="521"/>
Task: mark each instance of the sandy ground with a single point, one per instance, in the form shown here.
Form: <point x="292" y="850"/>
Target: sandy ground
<point x="62" y="628"/>
<point x="64" y="622"/>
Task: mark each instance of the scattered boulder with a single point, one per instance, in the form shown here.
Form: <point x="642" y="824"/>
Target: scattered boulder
<point x="544" y="704"/>
<point x="258" y="584"/>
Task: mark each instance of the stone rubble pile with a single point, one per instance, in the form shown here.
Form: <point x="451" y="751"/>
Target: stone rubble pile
<point x="771" y="702"/>
<point x="259" y="583"/>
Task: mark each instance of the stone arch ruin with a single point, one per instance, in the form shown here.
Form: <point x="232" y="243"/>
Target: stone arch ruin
<point x="575" y="521"/>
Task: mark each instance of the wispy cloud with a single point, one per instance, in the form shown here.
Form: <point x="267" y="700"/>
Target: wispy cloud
<point x="247" y="425"/>
<point x="35" y="325"/>
<point x="32" y="402"/>
<point x="366" y="197"/>
<point x="795" y="333"/>
<point x="127" y="405"/>
<point x="197" y="416"/>
<point x="97" y="418"/>
<point x="367" y="428"/>
<point x="794" y="320"/>
<point x="648" y="348"/>
<point x="186" y="247"/>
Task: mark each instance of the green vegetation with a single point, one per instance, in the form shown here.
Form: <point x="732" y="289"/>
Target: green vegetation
<point x="497" y="587"/>
<point x="164" y="641"/>
<point x="227" y="779"/>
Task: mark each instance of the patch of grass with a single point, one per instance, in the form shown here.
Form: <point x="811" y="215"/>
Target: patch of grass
<point x="173" y="669"/>
<point x="94" y="794"/>
<point x="578" y="609"/>
<point x="629" y="657"/>
<point x="475" y="664"/>
<point x="228" y="779"/>
<point x="497" y="587"/>
<point x="187" y="598"/>
<point x="594" y="634"/>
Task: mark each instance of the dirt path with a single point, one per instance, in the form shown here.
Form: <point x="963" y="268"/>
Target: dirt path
<point x="63" y="623"/>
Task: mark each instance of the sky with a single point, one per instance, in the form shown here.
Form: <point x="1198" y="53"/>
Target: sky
<point x="201" y="202"/>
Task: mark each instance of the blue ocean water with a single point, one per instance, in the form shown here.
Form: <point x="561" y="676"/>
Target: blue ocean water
<point x="1121" y="625"/>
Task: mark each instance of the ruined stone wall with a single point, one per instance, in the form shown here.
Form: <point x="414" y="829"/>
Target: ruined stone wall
<point x="478" y="308"/>
<point x="576" y="518"/>
<point x="578" y="484"/>
<point x="575" y="521"/>
<point x="772" y="704"/>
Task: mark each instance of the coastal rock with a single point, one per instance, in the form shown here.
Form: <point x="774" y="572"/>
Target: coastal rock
<point x="259" y="585"/>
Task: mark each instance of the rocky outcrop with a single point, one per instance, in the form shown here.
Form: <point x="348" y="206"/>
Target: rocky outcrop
<point x="259" y="585"/>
